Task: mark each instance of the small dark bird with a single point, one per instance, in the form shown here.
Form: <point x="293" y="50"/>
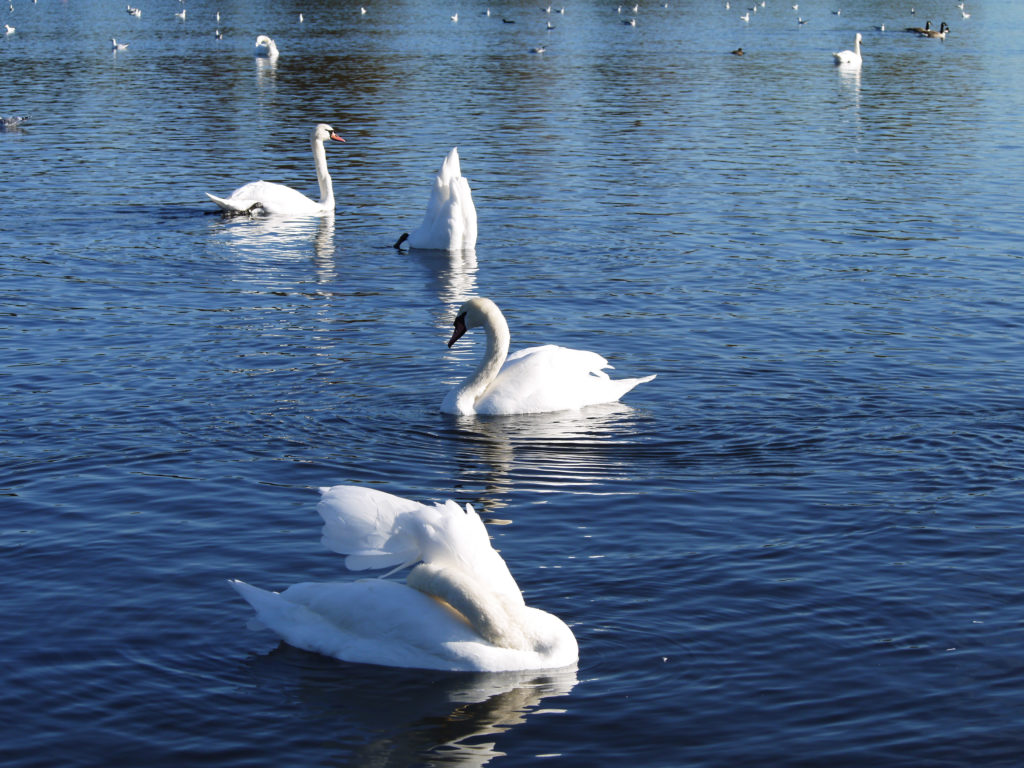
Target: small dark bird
<point x="738" y="52"/>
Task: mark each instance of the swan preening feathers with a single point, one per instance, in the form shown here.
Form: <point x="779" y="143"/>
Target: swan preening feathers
<point x="533" y="380"/>
<point x="450" y="221"/>
<point x="279" y="200"/>
<point x="459" y="608"/>
<point x="265" y="47"/>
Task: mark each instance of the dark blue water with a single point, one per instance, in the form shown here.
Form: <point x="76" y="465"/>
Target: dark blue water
<point x="799" y="545"/>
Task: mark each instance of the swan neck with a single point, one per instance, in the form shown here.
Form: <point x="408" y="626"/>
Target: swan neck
<point x="322" y="176"/>
<point x="494" y="357"/>
<point x="486" y="612"/>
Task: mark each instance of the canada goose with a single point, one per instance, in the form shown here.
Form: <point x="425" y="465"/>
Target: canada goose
<point x="940" y="35"/>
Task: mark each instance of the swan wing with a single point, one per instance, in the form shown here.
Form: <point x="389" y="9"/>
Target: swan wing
<point x="379" y="530"/>
<point x="369" y="526"/>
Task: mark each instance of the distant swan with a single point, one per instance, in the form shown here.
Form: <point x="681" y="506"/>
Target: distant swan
<point x="450" y="221"/>
<point x="265" y="47"/>
<point x="277" y="199"/>
<point x="850" y="58"/>
<point x="533" y="380"/>
<point x="459" y="608"/>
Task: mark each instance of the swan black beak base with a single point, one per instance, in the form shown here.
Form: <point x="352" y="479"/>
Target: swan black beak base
<point x="460" y="328"/>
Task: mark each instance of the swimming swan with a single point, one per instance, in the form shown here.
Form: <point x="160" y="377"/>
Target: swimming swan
<point x="265" y="47"/>
<point x="533" y="380"/>
<point x="850" y="58"/>
<point x="459" y="609"/>
<point x="450" y="221"/>
<point x="277" y="199"/>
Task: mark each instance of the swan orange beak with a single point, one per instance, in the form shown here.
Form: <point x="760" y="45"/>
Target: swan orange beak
<point x="336" y="137"/>
<point x="460" y="328"/>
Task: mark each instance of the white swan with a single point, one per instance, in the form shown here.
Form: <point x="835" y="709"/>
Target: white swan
<point x="277" y="199"/>
<point x="533" y="380"/>
<point x="265" y="47"/>
<point x="460" y="609"/>
<point x="450" y="221"/>
<point x="849" y="58"/>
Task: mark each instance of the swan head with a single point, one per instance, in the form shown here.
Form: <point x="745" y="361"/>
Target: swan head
<point x="324" y="132"/>
<point x="472" y="314"/>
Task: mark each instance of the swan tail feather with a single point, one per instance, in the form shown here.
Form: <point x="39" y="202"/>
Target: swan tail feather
<point x="232" y="207"/>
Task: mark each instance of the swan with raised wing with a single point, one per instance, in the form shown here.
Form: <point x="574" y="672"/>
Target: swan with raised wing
<point x="459" y="608"/>
<point x="277" y="199"/>
<point x="532" y="380"/>
<point x="450" y="221"/>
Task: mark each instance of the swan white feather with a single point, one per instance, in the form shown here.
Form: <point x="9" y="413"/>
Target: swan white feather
<point x="280" y="200"/>
<point x="532" y="380"/>
<point x="460" y="609"/>
<point x="449" y="223"/>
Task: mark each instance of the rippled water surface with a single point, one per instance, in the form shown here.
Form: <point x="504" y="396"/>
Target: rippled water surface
<point x="800" y="544"/>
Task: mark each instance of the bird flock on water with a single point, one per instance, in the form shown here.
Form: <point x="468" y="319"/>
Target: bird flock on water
<point x="459" y="608"/>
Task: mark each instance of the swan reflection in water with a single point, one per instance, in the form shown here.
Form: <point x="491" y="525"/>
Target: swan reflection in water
<point x="266" y="68"/>
<point x="383" y="716"/>
<point x="453" y="276"/>
<point x="261" y="238"/>
<point x="545" y="451"/>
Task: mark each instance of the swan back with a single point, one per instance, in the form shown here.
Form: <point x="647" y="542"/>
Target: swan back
<point x="450" y="220"/>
